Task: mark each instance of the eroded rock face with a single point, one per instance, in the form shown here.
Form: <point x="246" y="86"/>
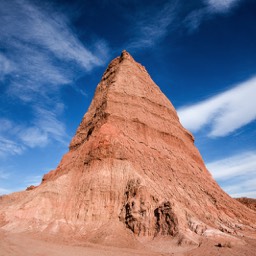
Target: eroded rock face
<point x="145" y="215"/>
<point x="137" y="211"/>
<point x="132" y="167"/>
<point x="166" y="220"/>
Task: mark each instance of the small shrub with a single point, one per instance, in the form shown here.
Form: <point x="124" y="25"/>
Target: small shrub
<point x="226" y="244"/>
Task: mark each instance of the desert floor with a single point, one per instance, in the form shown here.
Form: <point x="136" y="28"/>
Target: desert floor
<point x="26" y="245"/>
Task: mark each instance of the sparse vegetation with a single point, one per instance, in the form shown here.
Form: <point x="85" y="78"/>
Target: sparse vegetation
<point x="226" y="244"/>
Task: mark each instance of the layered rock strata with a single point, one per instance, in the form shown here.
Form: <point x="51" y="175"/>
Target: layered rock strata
<point x="130" y="166"/>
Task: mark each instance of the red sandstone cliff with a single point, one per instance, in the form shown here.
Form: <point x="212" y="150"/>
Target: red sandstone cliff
<point x="132" y="171"/>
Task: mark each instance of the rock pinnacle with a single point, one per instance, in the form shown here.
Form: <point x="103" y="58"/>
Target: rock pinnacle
<point x="132" y="171"/>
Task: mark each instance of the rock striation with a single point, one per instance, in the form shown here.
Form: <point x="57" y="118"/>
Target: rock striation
<point x="132" y="172"/>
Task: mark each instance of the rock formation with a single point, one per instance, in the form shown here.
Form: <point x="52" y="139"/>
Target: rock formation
<point x="132" y="172"/>
<point x="249" y="202"/>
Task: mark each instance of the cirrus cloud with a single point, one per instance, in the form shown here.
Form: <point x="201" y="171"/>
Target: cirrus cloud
<point x="221" y="5"/>
<point x="208" y="10"/>
<point x="223" y="113"/>
<point x="42" y="52"/>
<point x="236" y="173"/>
<point x="152" y="26"/>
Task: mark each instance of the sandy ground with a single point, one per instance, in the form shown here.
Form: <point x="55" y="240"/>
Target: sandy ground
<point x="26" y="245"/>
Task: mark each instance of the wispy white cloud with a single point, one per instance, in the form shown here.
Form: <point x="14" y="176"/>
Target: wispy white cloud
<point x="151" y="26"/>
<point x="33" y="137"/>
<point x="42" y="51"/>
<point x="46" y="127"/>
<point x="5" y="125"/>
<point x="11" y="181"/>
<point x="10" y="147"/>
<point x="223" y="113"/>
<point x="53" y="34"/>
<point x="39" y="52"/>
<point x="6" y="66"/>
<point x="237" y="165"/>
<point x="236" y="173"/>
<point x="43" y="129"/>
<point x="193" y="20"/>
<point x="43" y="29"/>
<point x="242" y="188"/>
<point x="221" y="5"/>
<point x="7" y="145"/>
<point x="208" y="10"/>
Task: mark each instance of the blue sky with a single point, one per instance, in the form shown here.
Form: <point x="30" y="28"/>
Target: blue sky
<point x="201" y="53"/>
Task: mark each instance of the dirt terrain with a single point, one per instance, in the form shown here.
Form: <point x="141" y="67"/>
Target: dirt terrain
<point x="24" y="245"/>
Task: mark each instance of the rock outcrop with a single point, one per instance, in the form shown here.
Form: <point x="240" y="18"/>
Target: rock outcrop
<point x="132" y="171"/>
<point x="249" y="202"/>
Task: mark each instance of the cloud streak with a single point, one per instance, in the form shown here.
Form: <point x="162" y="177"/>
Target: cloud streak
<point x="223" y="113"/>
<point x="5" y="67"/>
<point x="238" y="165"/>
<point x="42" y="51"/>
<point x="210" y="8"/>
<point x="46" y="127"/>
<point x="221" y="5"/>
<point x="53" y="34"/>
<point x="152" y="26"/>
<point x="10" y="147"/>
<point x="236" y="174"/>
<point x="39" y="54"/>
<point x="242" y="188"/>
<point x="43" y="129"/>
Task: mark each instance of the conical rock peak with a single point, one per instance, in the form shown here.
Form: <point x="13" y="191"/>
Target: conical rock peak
<point x="132" y="171"/>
